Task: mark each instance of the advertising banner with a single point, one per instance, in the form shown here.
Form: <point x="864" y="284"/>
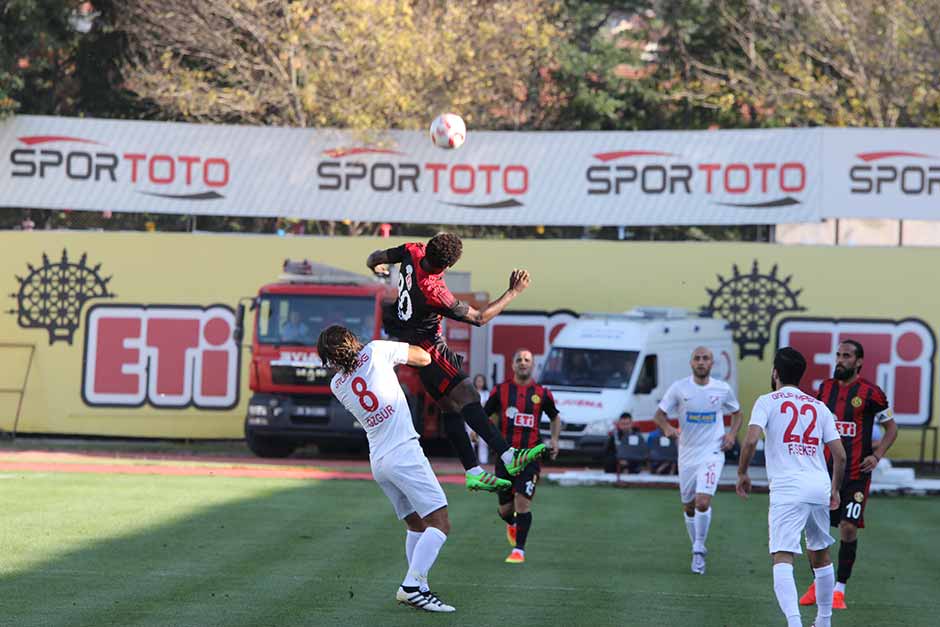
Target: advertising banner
<point x="511" y="178"/>
<point x="131" y="334"/>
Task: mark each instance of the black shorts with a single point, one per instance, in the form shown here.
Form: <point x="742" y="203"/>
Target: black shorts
<point x="444" y="372"/>
<point x="852" y="500"/>
<point x="524" y="483"/>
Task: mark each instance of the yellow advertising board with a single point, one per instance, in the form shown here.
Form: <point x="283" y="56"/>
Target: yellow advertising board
<point x="79" y="379"/>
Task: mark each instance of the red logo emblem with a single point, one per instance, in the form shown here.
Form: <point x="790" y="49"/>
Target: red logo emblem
<point x="163" y="355"/>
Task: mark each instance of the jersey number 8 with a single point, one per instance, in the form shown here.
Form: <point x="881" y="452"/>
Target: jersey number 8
<point x="366" y="398"/>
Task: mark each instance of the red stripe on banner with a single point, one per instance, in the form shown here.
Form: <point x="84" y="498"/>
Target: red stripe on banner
<point x="45" y="139"/>
<point x="336" y="153"/>
<point x="620" y="154"/>
<point x="887" y="154"/>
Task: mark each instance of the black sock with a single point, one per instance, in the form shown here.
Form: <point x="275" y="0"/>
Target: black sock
<point x="410" y="589"/>
<point x="846" y="560"/>
<point x="523" y="523"/>
<point x="457" y="434"/>
<point x="475" y="416"/>
<point x="509" y="517"/>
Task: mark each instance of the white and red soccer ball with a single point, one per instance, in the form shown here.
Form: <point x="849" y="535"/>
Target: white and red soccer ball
<point x="448" y="131"/>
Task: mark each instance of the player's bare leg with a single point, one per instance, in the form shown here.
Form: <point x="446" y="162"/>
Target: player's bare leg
<point x="824" y="582"/>
<point x="476" y="477"/>
<point x="785" y="588"/>
<point x="414" y="590"/>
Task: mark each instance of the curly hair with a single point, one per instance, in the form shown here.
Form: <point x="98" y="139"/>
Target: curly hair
<point x="339" y="348"/>
<point x="444" y="250"/>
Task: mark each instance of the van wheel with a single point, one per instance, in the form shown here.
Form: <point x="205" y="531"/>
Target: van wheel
<point x="269" y="447"/>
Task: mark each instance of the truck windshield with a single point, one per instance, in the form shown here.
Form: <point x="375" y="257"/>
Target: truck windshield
<point x="588" y="367"/>
<point x="298" y="320"/>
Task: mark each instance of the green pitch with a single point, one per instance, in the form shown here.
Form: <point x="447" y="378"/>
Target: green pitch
<point x="157" y="550"/>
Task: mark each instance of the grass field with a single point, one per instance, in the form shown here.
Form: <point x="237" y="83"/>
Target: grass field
<point x="154" y="550"/>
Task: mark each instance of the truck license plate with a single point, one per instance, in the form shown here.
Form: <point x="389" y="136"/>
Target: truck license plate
<point x="566" y="445"/>
<point x="309" y="411"/>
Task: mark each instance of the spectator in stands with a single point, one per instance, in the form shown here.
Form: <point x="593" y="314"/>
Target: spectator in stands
<point x="622" y="428"/>
<point x="663" y="467"/>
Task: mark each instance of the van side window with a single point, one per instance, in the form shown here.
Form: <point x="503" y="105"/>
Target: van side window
<point x="647" y="380"/>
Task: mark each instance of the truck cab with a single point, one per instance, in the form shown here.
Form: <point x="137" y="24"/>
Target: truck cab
<point x="602" y="365"/>
<point x="291" y="402"/>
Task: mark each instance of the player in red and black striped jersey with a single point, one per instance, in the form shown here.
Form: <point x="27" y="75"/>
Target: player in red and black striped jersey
<point x="517" y="406"/>
<point x="415" y="317"/>
<point x="857" y="405"/>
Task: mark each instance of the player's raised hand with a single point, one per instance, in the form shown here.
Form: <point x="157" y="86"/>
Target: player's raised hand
<point x="743" y="488"/>
<point x="518" y="280"/>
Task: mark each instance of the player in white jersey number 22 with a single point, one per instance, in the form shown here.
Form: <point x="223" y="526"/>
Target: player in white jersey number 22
<point x="367" y="386"/>
<point x="700" y="403"/>
<point x="796" y="426"/>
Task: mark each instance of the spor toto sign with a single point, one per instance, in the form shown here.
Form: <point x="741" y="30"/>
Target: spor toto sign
<point x="162" y="355"/>
<point x="899" y="357"/>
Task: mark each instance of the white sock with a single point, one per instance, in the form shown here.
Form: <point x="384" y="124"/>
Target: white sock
<point x="840" y="587"/>
<point x="825" y="580"/>
<point x="690" y="526"/>
<point x="422" y="560"/>
<point x="507" y="456"/>
<point x="411" y="539"/>
<point x="785" y="589"/>
<point x="476" y="470"/>
<point x="702" y="521"/>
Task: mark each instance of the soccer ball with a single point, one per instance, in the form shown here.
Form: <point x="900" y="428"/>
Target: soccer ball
<point x="448" y="131"/>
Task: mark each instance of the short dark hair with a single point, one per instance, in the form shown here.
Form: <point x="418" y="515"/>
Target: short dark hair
<point x="339" y="347"/>
<point x="790" y="365"/>
<point x="627" y="414"/>
<point x="859" y="351"/>
<point x="444" y="250"/>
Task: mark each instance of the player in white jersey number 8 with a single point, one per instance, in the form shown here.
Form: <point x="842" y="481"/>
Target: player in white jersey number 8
<point x="795" y="427"/>
<point x="367" y="386"/>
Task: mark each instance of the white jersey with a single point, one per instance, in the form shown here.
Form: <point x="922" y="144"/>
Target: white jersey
<point x="374" y="396"/>
<point x="796" y="429"/>
<point x="701" y="412"/>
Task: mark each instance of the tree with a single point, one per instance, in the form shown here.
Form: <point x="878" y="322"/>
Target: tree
<point x="342" y="63"/>
<point x="799" y="62"/>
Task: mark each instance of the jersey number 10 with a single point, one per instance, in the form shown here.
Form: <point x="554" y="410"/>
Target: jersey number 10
<point x="807" y="409"/>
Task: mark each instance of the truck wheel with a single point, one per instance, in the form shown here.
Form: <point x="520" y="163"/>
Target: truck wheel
<point x="269" y="447"/>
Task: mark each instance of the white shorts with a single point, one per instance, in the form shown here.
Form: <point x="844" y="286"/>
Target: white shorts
<point x="405" y="475"/>
<point x="701" y="478"/>
<point x="787" y="521"/>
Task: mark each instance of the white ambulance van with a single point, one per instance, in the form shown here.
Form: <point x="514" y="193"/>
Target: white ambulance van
<point x="602" y="365"/>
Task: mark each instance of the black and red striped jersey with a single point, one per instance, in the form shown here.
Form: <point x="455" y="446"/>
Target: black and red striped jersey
<point x="422" y="300"/>
<point x="856" y="407"/>
<point x="520" y="409"/>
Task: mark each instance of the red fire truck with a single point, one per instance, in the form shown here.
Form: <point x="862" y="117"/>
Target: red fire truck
<point x="291" y="403"/>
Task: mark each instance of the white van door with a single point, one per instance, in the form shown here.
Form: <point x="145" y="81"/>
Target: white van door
<point x="648" y="389"/>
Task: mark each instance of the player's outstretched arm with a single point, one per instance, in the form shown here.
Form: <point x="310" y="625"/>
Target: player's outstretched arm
<point x="518" y="282"/>
<point x="837" y="451"/>
<point x="378" y="261"/>
<point x="743" y="487"/>
<point x="418" y="357"/>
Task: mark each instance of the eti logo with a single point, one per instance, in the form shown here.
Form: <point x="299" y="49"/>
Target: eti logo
<point x="899" y="356"/>
<point x="163" y="355"/>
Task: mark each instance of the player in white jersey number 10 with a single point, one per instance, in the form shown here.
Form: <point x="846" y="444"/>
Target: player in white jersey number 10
<point x="367" y="386"/>
<point x="700" y="404"/>
<point x="796" y="427"/>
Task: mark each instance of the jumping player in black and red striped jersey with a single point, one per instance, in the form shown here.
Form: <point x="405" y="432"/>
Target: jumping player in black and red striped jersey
<point x="857" y="405"/>
<point x="518" y="405"/>
<point x="415" y="317"/>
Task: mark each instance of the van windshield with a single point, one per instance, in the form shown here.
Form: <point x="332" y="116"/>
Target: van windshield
<point x="588" y="367"/>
